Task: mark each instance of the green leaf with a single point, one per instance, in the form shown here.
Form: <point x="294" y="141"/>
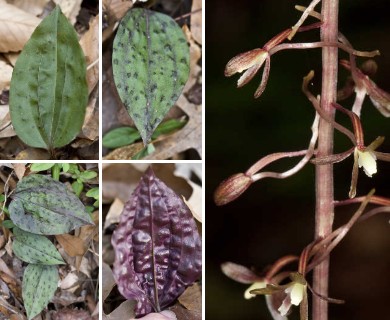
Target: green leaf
<point x="77" y="187"/>
<point x="87" y="175"/>
<point x="37" y="167"/>
<point x="7" y="224"/>
<point x="48" y="95"/>
<point x="39" y="285"/>
<point x="93" y="193"/>
<point x="90" y="209"/>
<point x="168" y="127"/>
<point x="73" y="168"/>
<point x="150" y="65"/>
<point x="65" y="167"/>
<point x="2" y="197"/>
<point x="42" y="205"/>
<point x="120" y="137"/>
<point x="33" y="248"/>
<point x="149" y="149"/>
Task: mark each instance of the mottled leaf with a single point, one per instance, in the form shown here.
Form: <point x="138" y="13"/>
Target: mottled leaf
<point x="39" y="285"/>
<point x="157" y="247"/>
<point x="150" y="65"/>
<point x="42" y="205"/>
<point x="49" y="92"/>
<point x="33" y="248"/>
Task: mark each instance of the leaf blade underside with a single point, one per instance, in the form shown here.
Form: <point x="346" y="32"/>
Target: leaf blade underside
<point x="157" y="247"/>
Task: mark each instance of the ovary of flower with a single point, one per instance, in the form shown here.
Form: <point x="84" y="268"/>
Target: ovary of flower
<point x="367" y="160"/>
<point x="255" y="285"/>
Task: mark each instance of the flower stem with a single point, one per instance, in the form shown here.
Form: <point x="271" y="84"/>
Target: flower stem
<point x="324" y="173"/>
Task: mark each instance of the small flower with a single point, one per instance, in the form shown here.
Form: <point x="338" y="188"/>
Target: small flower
<point x="363" y="86"/>
<point x="367" y="160"/>
<point x="296" y="293"/>
<point x="231" y="188"/>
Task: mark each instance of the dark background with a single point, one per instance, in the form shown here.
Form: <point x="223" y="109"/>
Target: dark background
<point x="276" y="217"/>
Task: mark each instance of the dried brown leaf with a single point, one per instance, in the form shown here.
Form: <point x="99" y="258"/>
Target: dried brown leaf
<point x="183" y="313"/>
<point x="196" y="21"/>
<point x="113" y="11"/>
<point x="195" y="55"/>
<point x="73" y="246"/>
<point x="189" y="137"/>
<point x="5" y="74"/>
<point x="124" y="311"/>
<point x="34" y="7"/>
<point x="125" y="153"/>
<point x="192" y="298"/>
<point x="66" y="298"/>
<point x="90" y="45"/>
<point x="12" y="57"/>
<point x="114" y="213"/>
<point x="32" y="154"/>
<point x="90" y="129"/>
<point x="70" y="282"/>
<point x="70" y="8"/>
<point x="71" y="314"/>
<point x="16" y="27"/>
<point x="195" y="201"/>
<point x="20" y="169"/>
<point x="119" y="181"/>
<point x="6" y="128"/>
<point x="108" y="281"/>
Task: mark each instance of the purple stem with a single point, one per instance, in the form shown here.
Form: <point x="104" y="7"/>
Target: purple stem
<point x="324" y="173"/>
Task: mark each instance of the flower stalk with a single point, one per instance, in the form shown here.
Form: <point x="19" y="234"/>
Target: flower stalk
<point x="324" y="174"/>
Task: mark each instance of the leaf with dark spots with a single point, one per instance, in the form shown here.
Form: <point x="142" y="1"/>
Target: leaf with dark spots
<point x="160" y="64"/>
<point x="157" y="247"/>
<point x="48" y="96"/>
<point x="39" y="285"/>
<point x="34" y="248"/>
<point x="42" y="205"/>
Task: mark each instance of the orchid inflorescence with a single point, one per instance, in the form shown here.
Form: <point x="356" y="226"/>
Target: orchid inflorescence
<point x="280" y="297"/>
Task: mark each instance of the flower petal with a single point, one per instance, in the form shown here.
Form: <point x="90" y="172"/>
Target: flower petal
<point x="256" y="285"/>
<point x="239" y="273"/>
<point x="367" y="160"/>
<point x="297" y="292"/>
<point x="245" y="60"/>
<point x="286" y="305"/>
<point x="248" y="75"/>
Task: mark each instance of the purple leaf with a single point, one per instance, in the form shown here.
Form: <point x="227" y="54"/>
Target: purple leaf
<point x="157" y="247"/>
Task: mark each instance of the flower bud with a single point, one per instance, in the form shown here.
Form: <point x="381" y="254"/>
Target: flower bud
<point x="231" y="188"/>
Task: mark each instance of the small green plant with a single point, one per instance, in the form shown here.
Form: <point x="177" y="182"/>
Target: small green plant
<point x="123" y="136"/>
<point x="41" y="206"/>
<point x="78" y="175"/>
<point x="48" y="95"/>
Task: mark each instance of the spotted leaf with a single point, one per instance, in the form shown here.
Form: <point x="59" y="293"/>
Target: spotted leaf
<point x="42" y="205"/>
<point x="39" y="285"/>
<point x="48" y="95"/>
<point x="151" y="66"/>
